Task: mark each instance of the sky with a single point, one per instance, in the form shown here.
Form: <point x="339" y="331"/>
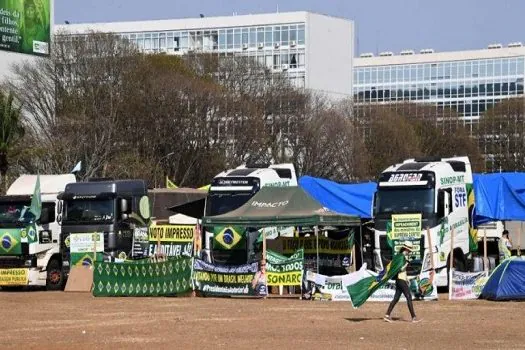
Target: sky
<point x="381" y="25"/>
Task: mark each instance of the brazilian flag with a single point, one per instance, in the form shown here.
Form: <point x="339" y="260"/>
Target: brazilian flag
<point x="363" y="289"/>
<point x="229" y="237"/>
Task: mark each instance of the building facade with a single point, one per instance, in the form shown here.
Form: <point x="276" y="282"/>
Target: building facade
<point x="314" y="51"/>
<point x="469" y="82"/>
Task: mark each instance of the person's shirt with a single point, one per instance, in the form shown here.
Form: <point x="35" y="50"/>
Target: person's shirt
<point x="504" y="246"/>
<point x="402" y="274"/>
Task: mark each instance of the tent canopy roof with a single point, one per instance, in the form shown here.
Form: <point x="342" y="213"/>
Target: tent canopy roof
<point x="351" y="199"/>
<point x="499" y="196"/>
<point x="282" y="206"/>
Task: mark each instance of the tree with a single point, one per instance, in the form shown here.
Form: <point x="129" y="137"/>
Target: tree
<point x="501" y="136"/>
<point x="11" y="130"/>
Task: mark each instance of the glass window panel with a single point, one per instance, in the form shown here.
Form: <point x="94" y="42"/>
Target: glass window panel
<point x="236" y="38"/>
<point x="260" y="35"/>
<point x="301" y="59"/>
<point x="483" y="69"/>
<point x="497" y="67"/>
<point x="268" y="61"/>
<point x="245" y="37"/>
<point x="300" y="34"/>
<point x="520" y="65"/>
<point x="284" y="58"/>
<point x="268" y="37"/>
<point x="276" y="61"/>
<point x="277" y="34"/>
<point x="253" y="37"/>
<point x="490" y="68"/>
<point x="222" y="39"/>
<point x="184" y="42"/>
<point x="293" y="33"/>
<point x="468" y="70"/>
<point x="284" y="35"/>
<point x="229" y="39"/>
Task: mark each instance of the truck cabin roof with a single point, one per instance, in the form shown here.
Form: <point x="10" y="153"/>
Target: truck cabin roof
<point x="115" y="187"/>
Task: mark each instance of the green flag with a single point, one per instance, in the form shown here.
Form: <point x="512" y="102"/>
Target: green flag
<point x="36" y="200"/>
<point x="363" y="289"/>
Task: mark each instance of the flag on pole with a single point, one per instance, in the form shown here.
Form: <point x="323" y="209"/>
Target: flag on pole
<point x="77" y="168"/>
<point x="363" y="289"/>
<point x="170" y="184"/>
<point x="36" y="200"/>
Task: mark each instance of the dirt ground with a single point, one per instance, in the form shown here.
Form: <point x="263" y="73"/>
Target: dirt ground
<point x="58" y="320"/>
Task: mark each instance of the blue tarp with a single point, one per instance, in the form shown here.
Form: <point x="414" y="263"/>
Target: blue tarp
<point x="351" y="199"/>
<point x="507" y="282"/>
<point x="499" y="196"/>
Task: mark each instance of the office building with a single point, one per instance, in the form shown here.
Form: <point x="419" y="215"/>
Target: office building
<point x="469" y="82"/>
<point x="314" y="51"/>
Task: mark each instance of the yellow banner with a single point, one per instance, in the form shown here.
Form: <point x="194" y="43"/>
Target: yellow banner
<point x="14" y="277"/>
<point x="406" y="226"/>
<point x="292" y="278"/>
<point x="171" y="233"/>
<point x="309" y="244"/>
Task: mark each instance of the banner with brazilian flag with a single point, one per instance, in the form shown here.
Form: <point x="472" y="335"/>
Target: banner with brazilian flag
<point x="362" y="290"/>
<point x="229" y="237"/>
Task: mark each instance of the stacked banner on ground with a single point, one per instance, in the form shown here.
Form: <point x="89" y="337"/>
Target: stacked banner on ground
<point x="335" y="288"/>
<point x="142" y="278"/>
<point x="229" y="280"/>
<point x="468" y="285"/>
<point x="284" y="271"/>
<point x="170" y="240"/>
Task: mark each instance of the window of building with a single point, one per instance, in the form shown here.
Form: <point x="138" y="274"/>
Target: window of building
<point x="293" y="62"/>
<point x="284" y="35"/>
<point x="268" y="37"/>
<point x="253" y="37"/>
<point x="300" y="34"/>
<point x="276" y="34"/>
<point x="293" y="33"/>
<point x="237" y="38"/>
<point x="229" y="39"/>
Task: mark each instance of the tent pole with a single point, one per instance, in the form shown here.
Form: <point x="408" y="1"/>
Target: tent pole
<point x="316" y="231"/>
<point x="450" y="282"/>
<point x="485" y="259"/>
<point x="360" y="244"/>
<point x="430" y="249"/>
<point x="519" y="239"/>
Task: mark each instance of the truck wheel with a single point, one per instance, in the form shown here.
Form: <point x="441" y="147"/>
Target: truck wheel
<point x="55" y="276"/>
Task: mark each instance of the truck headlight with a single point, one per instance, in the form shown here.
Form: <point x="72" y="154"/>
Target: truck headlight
<point x="27" y="263"/>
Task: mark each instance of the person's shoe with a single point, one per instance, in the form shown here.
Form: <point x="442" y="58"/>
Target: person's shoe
<point x="416" y="320"/>
<point x="387" y="318"/>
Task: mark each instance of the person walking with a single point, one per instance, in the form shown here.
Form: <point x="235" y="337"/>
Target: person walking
<point x="504" y="246"/>
<point x="402" y="286"/>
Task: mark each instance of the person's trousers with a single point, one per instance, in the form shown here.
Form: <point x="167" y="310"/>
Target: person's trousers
<point x="402" y="287"/>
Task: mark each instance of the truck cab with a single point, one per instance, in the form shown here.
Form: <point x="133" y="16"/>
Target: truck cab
<point x="114" y="210"/>
<point x="30" y="255"/>
<point x="436" y="192"/>
<point x="231" y="189"/>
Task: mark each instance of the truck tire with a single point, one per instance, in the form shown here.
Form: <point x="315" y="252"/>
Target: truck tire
<point x="55" y="275"/>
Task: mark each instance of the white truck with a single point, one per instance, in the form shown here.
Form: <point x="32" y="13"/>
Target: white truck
<point x="417" y="194"/>
<point x="29" y="256"/>
<point x="228" y="191"/>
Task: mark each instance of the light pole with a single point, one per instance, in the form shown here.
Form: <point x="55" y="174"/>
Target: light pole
<point x="158" y="163"/>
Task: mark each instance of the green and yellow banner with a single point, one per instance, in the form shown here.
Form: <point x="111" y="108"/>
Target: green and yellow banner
<point x="284" y="271"/>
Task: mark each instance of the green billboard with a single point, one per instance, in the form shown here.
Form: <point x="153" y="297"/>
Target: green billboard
<point x="25" y="26"/>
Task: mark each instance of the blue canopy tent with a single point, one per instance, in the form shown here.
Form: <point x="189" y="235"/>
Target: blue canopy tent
<point x="499" y="196"/>
<point x="351" y="199"/>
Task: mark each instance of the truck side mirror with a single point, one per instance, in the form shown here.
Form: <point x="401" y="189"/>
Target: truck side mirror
<point x="124" y="208"/>
<point x="124" y="205"/>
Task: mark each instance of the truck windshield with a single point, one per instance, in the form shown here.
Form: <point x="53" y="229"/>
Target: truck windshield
<point x="222" y="202"/>
<point x="86" y="211"/>
<point x="404" y="200"/>
<point x="14" y="212"/>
